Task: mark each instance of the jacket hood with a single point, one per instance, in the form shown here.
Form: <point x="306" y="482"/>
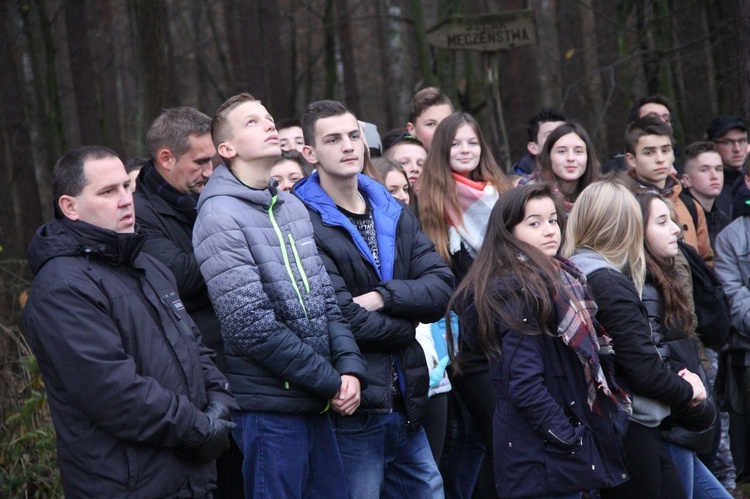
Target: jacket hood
<point x="225" y="183"/>
<point x="590" y="261"/>
<point x="386" y="211"/>
<point x="62" y="237"/>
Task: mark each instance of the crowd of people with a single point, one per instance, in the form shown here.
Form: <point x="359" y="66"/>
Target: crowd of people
<point x="304" y="308"/>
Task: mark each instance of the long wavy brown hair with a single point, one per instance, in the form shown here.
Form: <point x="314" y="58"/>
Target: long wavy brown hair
<point x="676" y="314"/>
<point x="534" y="274"/>
<point x="437" y="189"/>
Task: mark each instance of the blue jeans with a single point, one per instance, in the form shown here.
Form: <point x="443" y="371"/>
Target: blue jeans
<point x="289" y="455"/>
<point x="698" y="482"/>
<point x="382" y="459"/>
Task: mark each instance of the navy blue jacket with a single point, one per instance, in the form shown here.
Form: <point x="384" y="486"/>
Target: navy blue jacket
<point x="546" y="439"/>
<point x="415" y="283"/>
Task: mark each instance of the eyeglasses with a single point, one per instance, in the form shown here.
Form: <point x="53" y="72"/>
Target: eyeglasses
<point x="731" y="142"/>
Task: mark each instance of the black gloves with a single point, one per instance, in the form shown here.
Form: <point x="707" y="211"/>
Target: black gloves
<point x="219" y="411"/>
<point x="216" y="441"/>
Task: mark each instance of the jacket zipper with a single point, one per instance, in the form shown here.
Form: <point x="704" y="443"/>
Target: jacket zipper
<point x="298" y="261"/>
<point x="284" y="253"/>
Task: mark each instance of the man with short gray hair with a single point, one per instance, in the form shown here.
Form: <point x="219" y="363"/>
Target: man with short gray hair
<point x="166" y="199"/>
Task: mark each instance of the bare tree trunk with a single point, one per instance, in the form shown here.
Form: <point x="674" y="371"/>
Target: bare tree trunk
<point x="743" y="28"/>
<point x="498" y="136"/>
<point x="38" y="33"/>
<point x="548" y="52"/>
<point x="348" y="57"/>
<point x="386" y="69"/>
<point x="28" y="216"/>
<point x="148" y="24"/>
<point x="329" y="21"/>
<point x="423" y="49"/>
<point x="274" y="60"/>
<point x="82" y="69"/>
<point x="107" y="76"/>
<point x="595" y="95"/>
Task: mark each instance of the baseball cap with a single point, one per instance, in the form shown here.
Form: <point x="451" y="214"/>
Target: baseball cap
<point x="722" y="124"/>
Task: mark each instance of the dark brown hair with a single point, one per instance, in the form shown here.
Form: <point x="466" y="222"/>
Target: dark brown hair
<point x="676" y="315"/>
<point x="535" y="275"/>
<point x="544" y="161"/>
<point x="647" y="125"/>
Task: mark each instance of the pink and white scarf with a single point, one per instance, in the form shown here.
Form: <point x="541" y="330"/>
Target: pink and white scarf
<point x="475" y="199"/>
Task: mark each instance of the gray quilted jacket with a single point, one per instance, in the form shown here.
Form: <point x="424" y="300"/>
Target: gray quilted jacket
<point x="286" y="342"/>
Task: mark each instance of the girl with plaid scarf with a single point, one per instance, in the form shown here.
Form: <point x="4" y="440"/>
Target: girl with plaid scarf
<point x="558" y="418"/>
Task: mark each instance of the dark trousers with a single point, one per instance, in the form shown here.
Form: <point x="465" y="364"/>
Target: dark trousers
<point x="475" y="400"/>
<point x="435" y="423"/>
<point x="739" y="425"/>
<point x="652" y="473"/>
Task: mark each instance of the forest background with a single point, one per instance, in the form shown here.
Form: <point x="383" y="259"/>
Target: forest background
<point x="99" y="71"/>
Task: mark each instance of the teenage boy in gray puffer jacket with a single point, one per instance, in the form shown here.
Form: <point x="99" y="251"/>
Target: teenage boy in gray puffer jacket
<point x="290" y="355"/>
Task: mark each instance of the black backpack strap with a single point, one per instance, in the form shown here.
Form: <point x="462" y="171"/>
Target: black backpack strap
<point x="691" y="206"/>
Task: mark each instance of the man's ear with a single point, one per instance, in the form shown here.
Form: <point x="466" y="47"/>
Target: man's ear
<point x="533" y="148"/>
<point x="686" y="180"/>
<point x="226" y="150"/>
<point x="630" y="160"/>
<point x="309" y="154"/>
<point x="68" y="207"/>
<point x="165" y="159"/>
<point x="410" y="128"/>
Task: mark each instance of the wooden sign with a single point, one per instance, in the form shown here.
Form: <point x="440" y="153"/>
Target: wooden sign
<point x="485" y="32"/>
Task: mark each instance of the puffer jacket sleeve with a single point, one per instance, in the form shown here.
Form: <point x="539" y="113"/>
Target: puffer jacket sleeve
<point x="373" y="331"/>
<point x="621" y="313"/>
<point x="84" y="348"/>
<point x="732" y="265"/>
<point x="248" y="320"/>
<point x="345" y="354"/>
<point x="424" y="296"/>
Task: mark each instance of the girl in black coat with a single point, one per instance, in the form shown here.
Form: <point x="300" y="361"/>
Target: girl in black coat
<point x="668" y="301"/>
<point x="556" y="420"/>
<point x="605" y="230"/>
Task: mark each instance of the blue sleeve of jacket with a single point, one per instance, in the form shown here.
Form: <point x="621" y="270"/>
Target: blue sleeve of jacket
<point x="523" y="368"/>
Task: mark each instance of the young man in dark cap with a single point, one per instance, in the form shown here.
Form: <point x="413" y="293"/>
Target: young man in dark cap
<point x="729" y="134"/>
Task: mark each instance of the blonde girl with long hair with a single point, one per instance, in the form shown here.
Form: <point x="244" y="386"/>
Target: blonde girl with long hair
<point x="605" y="239"/>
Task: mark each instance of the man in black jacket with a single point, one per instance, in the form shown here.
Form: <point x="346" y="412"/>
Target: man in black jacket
<point x="139" y="408"/>
<point x="166" y="196"/>
<point x="166" y="199"/>
<point x="387" y="277"/>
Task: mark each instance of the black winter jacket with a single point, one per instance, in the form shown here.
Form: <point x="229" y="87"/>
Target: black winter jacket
<point x="624" y="317"/>
<point x="690" y="427"/>
<point x="126" y="374"/>
<point x="169" y="239"/>
<point x="415" y="283"/>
